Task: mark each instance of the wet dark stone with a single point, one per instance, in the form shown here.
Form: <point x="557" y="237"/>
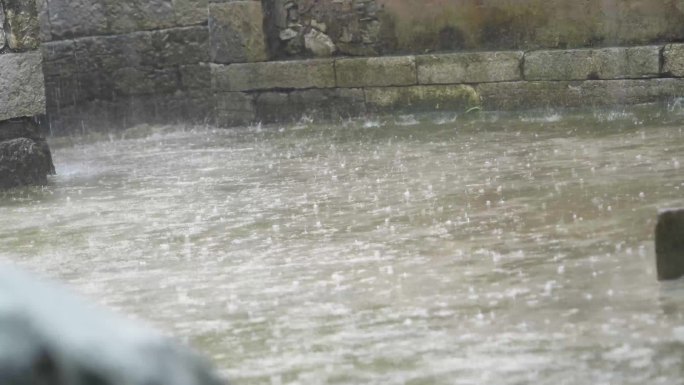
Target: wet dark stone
<point x="24" y="161"/>
<point x="669" y="240"/>
<point x="25" y="157"/>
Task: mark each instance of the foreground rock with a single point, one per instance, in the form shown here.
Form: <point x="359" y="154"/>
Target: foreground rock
<point x="669" y="240"/>
<point x="48" y="336"/>
<point x="25" y="157"/>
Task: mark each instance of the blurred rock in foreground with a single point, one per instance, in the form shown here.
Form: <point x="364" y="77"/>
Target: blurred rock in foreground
<point x="48" y="336"/>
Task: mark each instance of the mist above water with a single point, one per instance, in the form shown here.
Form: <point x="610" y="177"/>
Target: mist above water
<point x="425" y="250"/>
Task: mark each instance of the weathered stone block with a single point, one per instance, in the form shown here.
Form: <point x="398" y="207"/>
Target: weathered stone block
<point x="422" y="98"/>
<point x="138" y="15"/>
<point x="22" y="85"/>
<point x="274" y="75"/>
<point x="43" y="20"/>
<point x="593" y="64"/>
<point x="673" y="56"/>
<point x="317" y="104"/>
<point x="177" y="46"/>
<point x="187" y="107"/>
<point x="191" y="12"/>
<point x="145" y="80"/>
<point x="73" y="18"/>
<point x="21" y="18"/>
<point x="110" y="53"/>
<point x="24" y="162"/>
<point x="530" y="95"/>
<point x="234" y="109"/>
<point x="669" y="244"/>
<point x="59" y="58"/>
<point x="560" y="94"/>
<point x="376" y="71"/>
<point x="95" y="85"/>
<point x="61" y="91"/>
<point x="236" y="32"/>
<point x="481" y="67"/>
<point x="195" y="77"/>
<point x="20" y="128"/>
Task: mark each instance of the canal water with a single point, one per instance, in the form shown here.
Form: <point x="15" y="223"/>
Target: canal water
<point x="469" y="249"/>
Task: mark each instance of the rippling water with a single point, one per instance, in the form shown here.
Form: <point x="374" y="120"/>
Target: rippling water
<point x="468" y="250"/>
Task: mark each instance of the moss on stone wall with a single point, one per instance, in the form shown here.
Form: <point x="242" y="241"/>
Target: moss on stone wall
<point x="21" y="24"/>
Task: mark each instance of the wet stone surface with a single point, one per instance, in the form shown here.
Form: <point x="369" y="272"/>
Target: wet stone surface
<point x="25" y="157"/>
<point x="498" y="249"/>
<point x="669" y="239"/>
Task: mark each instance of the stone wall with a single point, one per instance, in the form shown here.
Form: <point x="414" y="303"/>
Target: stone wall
<point x="498" y="80"/>
<point x="24" y="155"/>
<point x="111" y="64"/>
<point x="301" y="28"/>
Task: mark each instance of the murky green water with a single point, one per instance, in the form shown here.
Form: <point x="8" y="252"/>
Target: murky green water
<point x="477" y="250"/>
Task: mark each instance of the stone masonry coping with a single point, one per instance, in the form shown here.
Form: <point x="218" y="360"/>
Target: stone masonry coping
<point x="641" y="62"/>
<point x="274" y="75"/>
<point x="376" y="71"/>
<point x="476" y="67"/>
<point x="593" y="64"/>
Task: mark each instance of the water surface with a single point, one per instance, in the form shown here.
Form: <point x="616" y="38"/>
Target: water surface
<point x="491" y="249"/>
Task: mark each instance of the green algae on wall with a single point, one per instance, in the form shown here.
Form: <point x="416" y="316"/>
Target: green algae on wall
<point x="21" y="24"/>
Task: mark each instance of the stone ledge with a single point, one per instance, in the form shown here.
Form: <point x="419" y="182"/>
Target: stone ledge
<point x="299" y="74"/>
<point x="21" y="82"/>
<point x="593" y="64"/>
<point x="317" y="104"/>
<point x="477" y="67"/>
<point x="376" y="72"/>
<point x="421" y="98"/>
<point x="565" y="94"/>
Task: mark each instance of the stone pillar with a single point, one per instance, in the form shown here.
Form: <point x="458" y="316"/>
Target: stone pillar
<point x="236" y="32"/>
<point x="24" y="155"/>
<point x="236" y="35"/>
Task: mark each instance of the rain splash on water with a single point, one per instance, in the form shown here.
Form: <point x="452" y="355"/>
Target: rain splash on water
<point x="500" y="249"/>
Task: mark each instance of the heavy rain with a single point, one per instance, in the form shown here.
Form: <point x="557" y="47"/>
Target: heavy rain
<point x="474" y="248"/>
